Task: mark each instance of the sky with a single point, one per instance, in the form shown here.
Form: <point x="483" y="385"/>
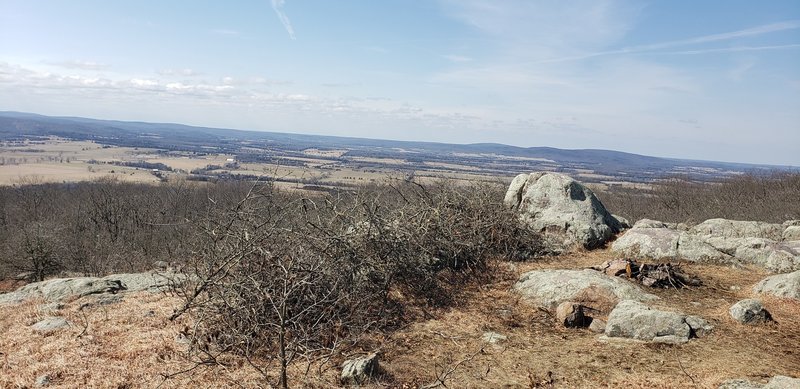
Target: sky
<point x="705" y="79"/>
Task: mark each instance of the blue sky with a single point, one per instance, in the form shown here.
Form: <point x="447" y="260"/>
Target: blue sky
<point x="712" y="80"/>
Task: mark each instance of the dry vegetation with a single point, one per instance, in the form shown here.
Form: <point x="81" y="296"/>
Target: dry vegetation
<point x="770" y="198"/>
<point x="287" y="285"/>
<point x="125" y="347"/>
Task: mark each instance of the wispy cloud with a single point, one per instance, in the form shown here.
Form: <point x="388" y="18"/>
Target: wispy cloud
<point x="456" y="58"/>
<point x="732" y="49"/>
<point x="225" y="31"/>
<point x="77" y="64"/>
<point x="277" y="5"/>
<point x="727" y="36"/>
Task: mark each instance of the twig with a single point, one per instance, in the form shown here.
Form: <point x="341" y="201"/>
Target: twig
<point x="685" y="372"/>
<point x="85" y="325"/>
<point x="441" y="378"/>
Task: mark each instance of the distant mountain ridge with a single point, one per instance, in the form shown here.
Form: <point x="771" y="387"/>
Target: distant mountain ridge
<point x="183" y="137"/>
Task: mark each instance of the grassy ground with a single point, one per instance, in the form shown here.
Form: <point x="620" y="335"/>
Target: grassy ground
<point x="123" y="346"/>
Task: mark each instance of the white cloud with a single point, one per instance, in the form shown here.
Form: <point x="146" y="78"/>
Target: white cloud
<point x="77" y="64"/>
<point x="277" y="5"/>
<point x="186" y="72"/>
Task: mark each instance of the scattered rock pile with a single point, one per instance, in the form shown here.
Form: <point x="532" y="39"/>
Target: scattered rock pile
<point x="716" y="240"/>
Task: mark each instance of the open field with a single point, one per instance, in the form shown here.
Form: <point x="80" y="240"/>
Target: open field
<point x="62" y="160"/>
<point x="125" y="346"/>
<point x="212" y="153"/>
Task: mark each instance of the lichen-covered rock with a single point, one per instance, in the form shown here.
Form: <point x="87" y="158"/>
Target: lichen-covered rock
<point x="655" y="242"/>
<point x="715" y="240"/>
<point x="780" y="285"/>
<point x="749" y="311"/>
<point x="738" y="229"/>
<point x="62" y="289"/>
<point x="791" y="233"/>
<point x="649" y="223"/>
<point x="634" y="320"/>
<point x="359" y="370"/>
<point x="776" y="382"/>
<point x="548" y="288"/>
<point x="50" y="324"/>
<point x="561" y="208"/>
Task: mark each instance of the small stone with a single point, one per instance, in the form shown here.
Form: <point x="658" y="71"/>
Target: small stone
<point x="150" y="313"/>
<point x="571" y="315"/>
<point x="699" y="326"/>
<point x="182" y="338"/>
<point x="597" y="326"/>
<point x="43" y="380"/>
<point x="50" y="324"/>
<point x="750" y="311"/>
<point x="160" y="265"/>
<point x="493" y="337"/>
<point x="739" y="384"/>
<point x="359" y="370"/>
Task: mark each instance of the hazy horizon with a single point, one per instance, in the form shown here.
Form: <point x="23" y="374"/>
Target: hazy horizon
<point x="702" y="80"/>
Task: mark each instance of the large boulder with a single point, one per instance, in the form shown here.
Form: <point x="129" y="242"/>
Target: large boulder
<point x="561" y="208"/>
<point x="634" y="320"/>
<point x="63" y="289"/>
<point x="591" y="288"/>
<point x="780" y="285"/>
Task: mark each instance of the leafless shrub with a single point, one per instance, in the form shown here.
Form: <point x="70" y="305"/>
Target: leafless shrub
<point x="770" y="198"/>
<point x="281" y="277"/>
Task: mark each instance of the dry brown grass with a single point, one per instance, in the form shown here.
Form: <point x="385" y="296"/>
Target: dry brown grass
<point x="124" y="348"/>
<point x="538" y="352"/>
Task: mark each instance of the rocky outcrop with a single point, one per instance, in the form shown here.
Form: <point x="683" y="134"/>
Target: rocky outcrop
<point x="749" y="311"/>
<point x="715" y="240"/>
<point x="590" y="288"/>
<point x="634" y="320"/>
<point x="63" y="289"/>
<point x="725" y="228"/>
<point x="780" y="285"/>
<point x="561" y="208"/>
